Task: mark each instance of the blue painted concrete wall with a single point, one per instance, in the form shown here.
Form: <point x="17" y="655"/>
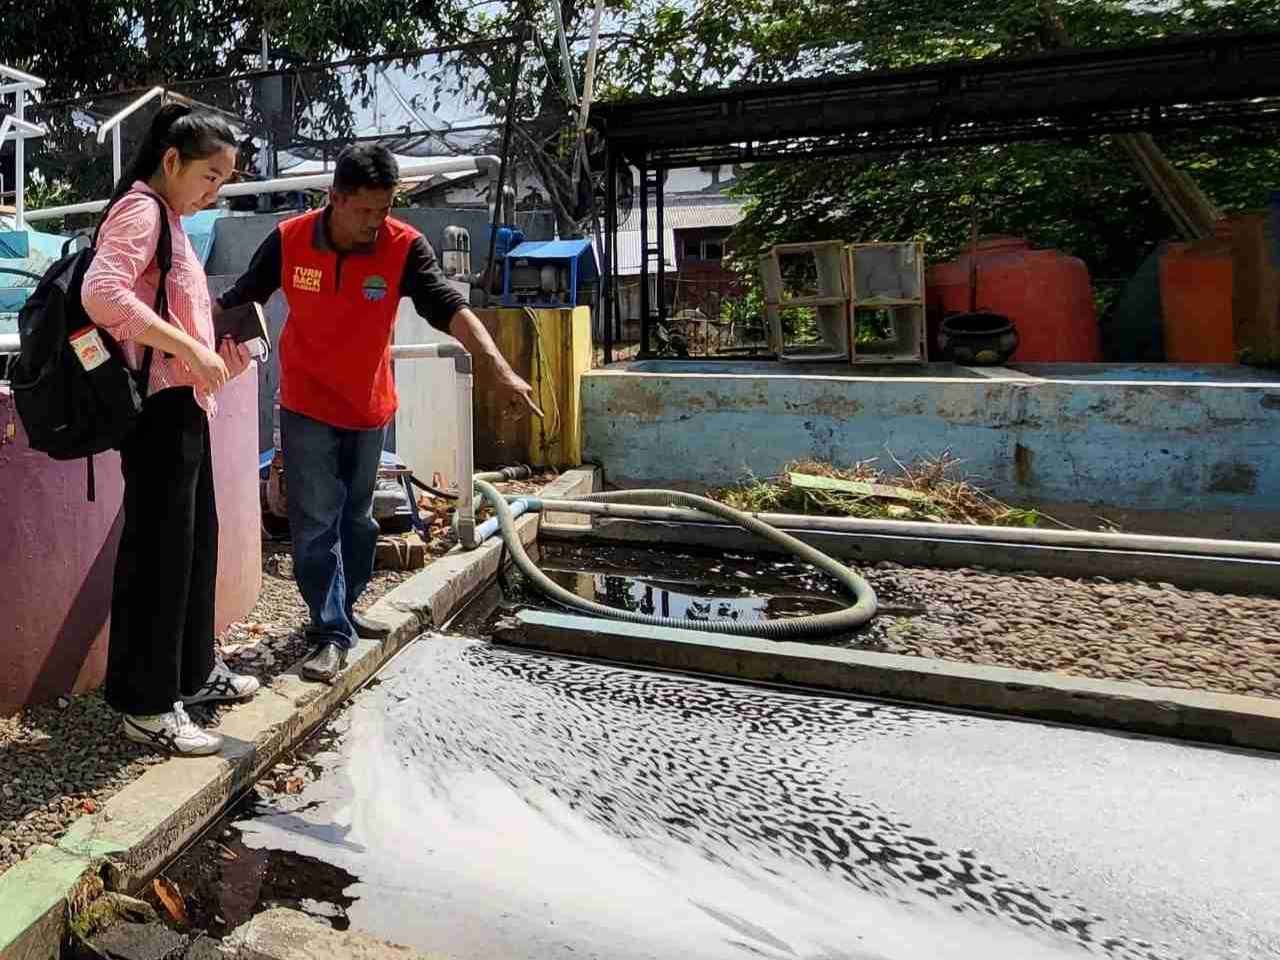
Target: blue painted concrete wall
<point x="1182" y="456"/>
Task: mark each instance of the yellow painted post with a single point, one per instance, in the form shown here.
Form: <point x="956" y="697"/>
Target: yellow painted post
<point x="551" y="350"/>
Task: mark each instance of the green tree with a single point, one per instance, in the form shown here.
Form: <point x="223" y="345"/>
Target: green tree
<point x="1082" y="197"/>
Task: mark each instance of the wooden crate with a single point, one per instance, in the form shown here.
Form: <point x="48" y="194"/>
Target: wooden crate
<point x="887" y="280"/>
<point x="828" y="298"/>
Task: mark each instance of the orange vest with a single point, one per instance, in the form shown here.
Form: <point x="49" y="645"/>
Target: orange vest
<point x="335" y="351"/>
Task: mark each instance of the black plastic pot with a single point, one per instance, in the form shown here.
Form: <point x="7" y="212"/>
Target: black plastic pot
<point x="978" y="339"/>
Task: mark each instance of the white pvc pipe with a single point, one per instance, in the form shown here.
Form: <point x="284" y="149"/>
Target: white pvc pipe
<point x="23" y="82"/>
<point x="317" y="181"/>
<point x="19" y="159"/>
<point x="426" y="351"/>
<point x="112" y="126"/>
<point x="1078" y="539"/>
<point x="23" y="79"/>
<point x="116" y="119"/>
<point x="23" y="128"/>
<point x="465" y="507"/>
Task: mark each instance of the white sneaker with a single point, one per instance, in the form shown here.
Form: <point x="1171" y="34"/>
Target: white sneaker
<point x="175" y="732"/>
<point x="224" y="685"/>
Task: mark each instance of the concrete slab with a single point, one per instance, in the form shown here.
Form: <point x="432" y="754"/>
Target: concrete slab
<point x="1249" y="722"/>
<point x="288" y="935"/>
<point x="569" y="486"/>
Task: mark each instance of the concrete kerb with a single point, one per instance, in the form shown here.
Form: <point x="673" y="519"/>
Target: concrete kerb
<point x="282" y="934"/>
<point x="139" y="829"/>
<point x="1222" y="719"/>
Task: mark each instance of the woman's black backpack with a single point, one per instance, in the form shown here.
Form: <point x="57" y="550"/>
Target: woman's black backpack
<point x="74" y="393"/>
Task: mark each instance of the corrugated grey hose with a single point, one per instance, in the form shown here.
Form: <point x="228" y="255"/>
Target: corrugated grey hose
<point x="821" y="624"/>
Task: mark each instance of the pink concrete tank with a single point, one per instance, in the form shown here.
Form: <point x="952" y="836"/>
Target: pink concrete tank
<point x="57" y="550"/>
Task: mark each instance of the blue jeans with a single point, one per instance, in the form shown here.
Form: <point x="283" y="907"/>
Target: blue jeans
<point x="330" y="475"/>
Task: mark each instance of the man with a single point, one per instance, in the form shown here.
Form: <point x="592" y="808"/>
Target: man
<point x="343" y="270"/>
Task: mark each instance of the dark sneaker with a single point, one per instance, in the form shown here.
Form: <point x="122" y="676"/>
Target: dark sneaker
<point x="369" y="629"/>
<point x="325" y="664"/>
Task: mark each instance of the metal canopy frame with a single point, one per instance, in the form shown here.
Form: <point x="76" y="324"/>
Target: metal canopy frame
<point x="1067" y="95"/>
<point x="19" y="84"/>
<point x="113" y="123"/>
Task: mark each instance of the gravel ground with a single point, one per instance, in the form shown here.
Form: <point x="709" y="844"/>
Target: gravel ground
<point x="63" y="760"/>
<point x="1150" y="633"/>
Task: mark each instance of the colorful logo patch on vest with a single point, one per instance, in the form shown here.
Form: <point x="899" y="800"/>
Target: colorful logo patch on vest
<point x="375" y="288"/>
<point x="307" y="278"/>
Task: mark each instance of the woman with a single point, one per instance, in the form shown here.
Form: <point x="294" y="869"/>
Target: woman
<point x="161" y="657"/>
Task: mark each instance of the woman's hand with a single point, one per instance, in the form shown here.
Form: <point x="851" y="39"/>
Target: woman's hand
<point x="236" y="356"/>
<point x="208" y="368"/>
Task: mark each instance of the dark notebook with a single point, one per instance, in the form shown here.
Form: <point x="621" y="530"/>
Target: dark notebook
<point x="242" y="324"/>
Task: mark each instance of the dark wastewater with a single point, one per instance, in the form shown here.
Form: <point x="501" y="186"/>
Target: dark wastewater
<point x="485" y="803"/>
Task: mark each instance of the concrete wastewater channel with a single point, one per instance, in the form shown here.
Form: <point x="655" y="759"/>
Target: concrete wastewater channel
<point x="500" y="778"/>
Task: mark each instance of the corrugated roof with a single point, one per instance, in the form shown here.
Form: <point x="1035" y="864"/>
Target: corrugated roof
<point x="688" y="216"/>
<point x="628" y="253"/>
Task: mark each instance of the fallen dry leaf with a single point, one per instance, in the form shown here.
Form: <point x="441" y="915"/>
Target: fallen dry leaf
<point x="293" y="785"/>
<point x="171" y="898"/>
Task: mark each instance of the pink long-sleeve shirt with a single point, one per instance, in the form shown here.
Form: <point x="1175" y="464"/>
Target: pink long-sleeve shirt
<point x="119" y="290"/>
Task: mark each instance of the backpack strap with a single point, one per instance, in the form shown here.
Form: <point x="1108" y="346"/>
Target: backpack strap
<point x="164" y="260"/>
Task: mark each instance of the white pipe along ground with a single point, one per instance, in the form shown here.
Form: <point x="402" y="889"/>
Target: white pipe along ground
<point x="1079" y="539"/>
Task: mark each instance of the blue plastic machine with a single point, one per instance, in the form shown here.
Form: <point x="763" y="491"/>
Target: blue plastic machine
<point x="549" y="273"/>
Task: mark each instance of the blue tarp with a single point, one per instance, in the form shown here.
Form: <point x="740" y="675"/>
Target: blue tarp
<point x="199" y="229"/>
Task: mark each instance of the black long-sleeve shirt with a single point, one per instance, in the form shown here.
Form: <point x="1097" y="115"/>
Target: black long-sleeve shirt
<point x="421" y="281"/>
<point x="335" y="365"/>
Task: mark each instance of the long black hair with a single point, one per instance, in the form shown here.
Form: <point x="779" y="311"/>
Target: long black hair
<point x="195" y="134"/>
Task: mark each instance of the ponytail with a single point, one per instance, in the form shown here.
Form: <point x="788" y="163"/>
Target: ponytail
<point x="195" y="134"/>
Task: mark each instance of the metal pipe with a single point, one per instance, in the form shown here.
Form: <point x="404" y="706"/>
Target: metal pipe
<point x="427" y="351"/>
<point x="580" y="160"/>
<point x="1080" y="539"/>
<point x="19" y="159"/>
<point x="23" y="79"/>
<point x="644" y="258"/>
<point x="22" y="130"/>
<point x="488" y="275"/>
<point x="113" y="122"/>
<point x="566" y="62"/>
<point x="608" y="307"/>
<point x="282" y="185"/>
